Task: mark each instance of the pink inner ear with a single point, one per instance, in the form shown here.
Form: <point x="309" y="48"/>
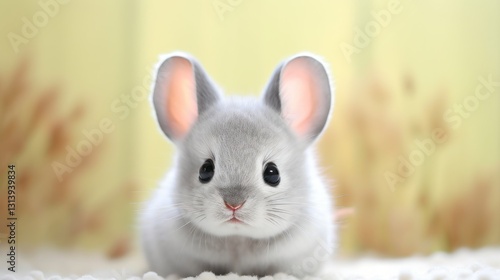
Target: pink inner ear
<point x="298" y="95"/>
<point x="180" y="105"/>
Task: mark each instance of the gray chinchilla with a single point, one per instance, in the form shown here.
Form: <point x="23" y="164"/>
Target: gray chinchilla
<point x="244" y="194"/>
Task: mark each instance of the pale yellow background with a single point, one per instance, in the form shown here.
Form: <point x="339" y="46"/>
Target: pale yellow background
<point x="96" y="51"/>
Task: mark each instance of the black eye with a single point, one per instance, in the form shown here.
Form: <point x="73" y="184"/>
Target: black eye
<point x="207" y="171"/>
<point x="271" y="174"/>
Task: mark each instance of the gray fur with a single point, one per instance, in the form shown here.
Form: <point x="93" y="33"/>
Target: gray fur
<point x="182" y="228"/>
<point x="206" y="91"/>
<point x="271" y="95"/>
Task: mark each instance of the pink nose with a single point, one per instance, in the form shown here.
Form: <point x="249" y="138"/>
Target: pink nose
<point x="233" y="207"/>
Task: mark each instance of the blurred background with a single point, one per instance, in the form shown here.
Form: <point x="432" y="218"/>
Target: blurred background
<point x="412" y="150"/>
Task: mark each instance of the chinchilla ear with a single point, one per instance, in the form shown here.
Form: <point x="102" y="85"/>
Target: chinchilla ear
<point x="182" y="91"/>
<point x="300" y="92"/>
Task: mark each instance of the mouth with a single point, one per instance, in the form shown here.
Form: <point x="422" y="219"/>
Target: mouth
<point x="235" y="220"/>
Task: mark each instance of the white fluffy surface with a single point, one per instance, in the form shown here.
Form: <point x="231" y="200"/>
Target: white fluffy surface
<point x="464" y="264"/>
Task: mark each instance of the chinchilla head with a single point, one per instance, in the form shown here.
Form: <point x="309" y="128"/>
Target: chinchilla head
<point x="243" y="166"/>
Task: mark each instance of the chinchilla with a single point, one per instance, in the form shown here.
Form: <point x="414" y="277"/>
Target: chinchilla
<point x="244" y="194"/>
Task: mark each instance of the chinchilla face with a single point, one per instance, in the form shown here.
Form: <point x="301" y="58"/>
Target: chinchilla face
<point x="245" y="141"/>
<point x="242" y="165"/>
